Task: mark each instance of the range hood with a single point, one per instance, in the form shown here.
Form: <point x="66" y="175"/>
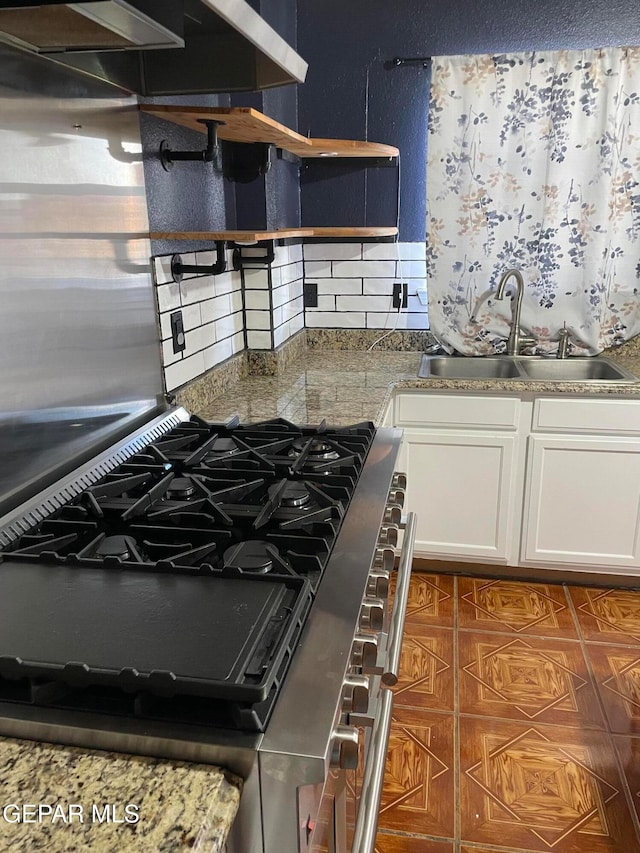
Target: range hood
<point x="215" y="45"/>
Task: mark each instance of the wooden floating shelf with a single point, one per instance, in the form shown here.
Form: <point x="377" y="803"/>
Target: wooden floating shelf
<point x="277" y="234"/>
<point x="244" y="124"/>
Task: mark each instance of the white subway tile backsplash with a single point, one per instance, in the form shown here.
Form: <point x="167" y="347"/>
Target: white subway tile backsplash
<point x="412" y="269"/>
<point x="325" y="303"/>
<point x="206" y="257"/>
<point x="281" y="295"/>
<point x="197" y="289"/>
<point x="296" y="323"/>
<point x="378" y="286"/>
<point x="295" y="253"/>
<point x="184" y="371"/>
<point x="291" y="272"/>
<point x="380" y="251"/>
<point x="162" y="269"/>
<point x="416" y="305"/>
<point x="336" y="286"/>
<point x="276" y="317"/>
<point x="198" y="339"/>
<point x="281" y="334"/>
<point x="236" y="301"/>
<point x="168" y="296"/>
<point x="397" y="321"/>
<point x="222" y="283"/>
<point x="276" y="276"/>
<point x="332" y="251"/>
<point x="218" y="353"/>
<point x="281" y="256"/>
<point x="165" y="325"/>
<point x="191" y="317"/>
<point x="237" y="341"/>
<point x="258" y="278"/>
<point x="168" y="355"/>
<point x="363" y="303"/>
<point x="415" y="284"/>
<point x="258" y="320"/>
<point x="336" y="320"/>
<point x="256" y="299"/>
<point x="228" y="326"/>
<point x="413" y="251"/>
<point x="290" y="309"/>
<point x="214" y="309"/>
<point x="364" y="269"/>
<point x="317" y="269"/>
<point x="259" y="340"/>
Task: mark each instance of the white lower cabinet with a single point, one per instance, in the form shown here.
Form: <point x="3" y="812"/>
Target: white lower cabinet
<point x="582" y="501"/>
<point x="461" y="486"/>
<point x="551" y="481"/>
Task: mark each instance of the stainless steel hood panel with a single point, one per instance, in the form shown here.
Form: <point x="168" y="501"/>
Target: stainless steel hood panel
<point x="228" y="47"/>
<point x="79" y="348"/>
<point x="94" y="25"/>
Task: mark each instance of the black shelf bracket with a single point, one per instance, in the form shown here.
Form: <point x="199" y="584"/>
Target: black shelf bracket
<point x="239" y="260"/>
<point x="179" y="270"/>
<point x="210" y="154"/>
<point x="400" y="61"/>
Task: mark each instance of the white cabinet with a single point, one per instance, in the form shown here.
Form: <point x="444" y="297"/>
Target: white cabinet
<point x="549" y="482"/>
<point x="461" y="486"/>
<point x="463" y="473"/>
<point x="582" y="491"/>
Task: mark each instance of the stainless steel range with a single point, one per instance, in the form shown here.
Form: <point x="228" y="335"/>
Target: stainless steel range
<point x="170" y="587"/>
<point x="217" y="593"/>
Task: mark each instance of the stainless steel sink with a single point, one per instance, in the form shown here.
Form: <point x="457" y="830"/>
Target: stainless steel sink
<point x="524" y="368"/>
<point x="574" y="370"/>
<point x="453" y="367"/>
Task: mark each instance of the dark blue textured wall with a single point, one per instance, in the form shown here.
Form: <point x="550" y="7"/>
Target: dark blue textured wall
<point x="349" y="93"/>
<point x="191" y="197"/>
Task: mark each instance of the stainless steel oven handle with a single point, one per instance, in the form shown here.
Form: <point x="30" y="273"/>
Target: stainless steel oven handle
<point x="364" y="838"/>
<point x="396" y="629"/>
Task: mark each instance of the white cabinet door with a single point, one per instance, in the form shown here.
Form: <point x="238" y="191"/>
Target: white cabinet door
<point x="462" y="488"/>
<point x="583" y="502"/>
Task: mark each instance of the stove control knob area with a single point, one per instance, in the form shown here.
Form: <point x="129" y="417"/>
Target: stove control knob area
<point x="372" y="614"/>
<point x="344" y="748"/>
<point x="392" y="515"/>
<point x="378" y="584"/>
<point x="384" y="559"/>
<point x="355" y="694"/>
<point x="364" y="653"/>
<point x="388" y="535"/>
<point x="396" y="497"/>
<point x="399" y="480"/>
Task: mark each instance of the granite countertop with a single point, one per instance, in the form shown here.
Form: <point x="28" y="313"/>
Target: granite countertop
<point x="346" y="386"/>
<point x="183" y="806"/>
<point x="180" y="806"/>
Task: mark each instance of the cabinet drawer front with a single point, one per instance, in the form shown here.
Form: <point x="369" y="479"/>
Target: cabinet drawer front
<point x="557" y="414"/>
<point x="457" y="410"/>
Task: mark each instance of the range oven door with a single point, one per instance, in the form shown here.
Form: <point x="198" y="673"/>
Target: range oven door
<point x="346" y="807"/>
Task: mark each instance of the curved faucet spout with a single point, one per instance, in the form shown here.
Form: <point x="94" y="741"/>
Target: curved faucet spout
<point x="513" y="343"/>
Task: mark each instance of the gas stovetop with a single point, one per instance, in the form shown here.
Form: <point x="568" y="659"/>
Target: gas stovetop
<point x="177" y="586"/>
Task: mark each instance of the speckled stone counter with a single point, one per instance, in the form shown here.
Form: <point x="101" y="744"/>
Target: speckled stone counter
<point x="343" y="387"/>
<point x="180" y="806"/>
<point x="350" y="386"/>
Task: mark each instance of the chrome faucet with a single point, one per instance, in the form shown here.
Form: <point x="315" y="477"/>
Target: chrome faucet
<point x="516" y="338"/>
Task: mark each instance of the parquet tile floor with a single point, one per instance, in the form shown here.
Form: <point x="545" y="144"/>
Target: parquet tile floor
<point x="516" y="725"/>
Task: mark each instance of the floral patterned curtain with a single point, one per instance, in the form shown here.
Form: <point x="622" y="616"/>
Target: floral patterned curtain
<point x="534" y="163"/>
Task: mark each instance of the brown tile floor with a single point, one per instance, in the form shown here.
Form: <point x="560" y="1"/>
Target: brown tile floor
<point x="516" y="725"/>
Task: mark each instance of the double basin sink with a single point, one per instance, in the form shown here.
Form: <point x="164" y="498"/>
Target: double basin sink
<point x="523" y="368"/>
